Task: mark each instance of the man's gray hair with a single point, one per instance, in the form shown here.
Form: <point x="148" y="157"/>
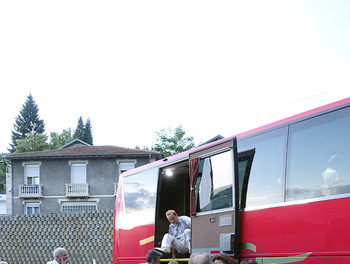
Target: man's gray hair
<point x="200" y="258"/>
<point x="57" y="252"/>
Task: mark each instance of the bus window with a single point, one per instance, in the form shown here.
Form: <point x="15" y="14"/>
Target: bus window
<point x="319" y="157"/>
<point x="215" y="182"/>
<point x="140" y="198"/>
<point x="245" y="161"/>
<point x="266" y="179"/>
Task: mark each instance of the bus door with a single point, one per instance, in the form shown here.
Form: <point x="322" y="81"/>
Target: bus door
<point x="214" y="199"/>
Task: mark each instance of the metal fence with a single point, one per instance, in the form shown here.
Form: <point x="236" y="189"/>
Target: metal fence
<point x="86" y="236"/>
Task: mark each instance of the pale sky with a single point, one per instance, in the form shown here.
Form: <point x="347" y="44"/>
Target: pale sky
<point x="135" y="67"/>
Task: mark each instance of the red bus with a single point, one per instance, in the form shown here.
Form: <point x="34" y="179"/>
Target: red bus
<point x="277" y="194"/>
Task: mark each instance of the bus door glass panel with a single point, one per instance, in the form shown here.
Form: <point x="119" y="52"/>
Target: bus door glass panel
<point x="264" y="182"/>
<point x="215" y="183"/>
<point x="140" y="192"/>
<point x="319" y="157"/>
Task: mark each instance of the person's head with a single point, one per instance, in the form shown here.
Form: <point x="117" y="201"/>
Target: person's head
<point x="60" y="255"/>
<point x="172" y="217"/>
<point x="223" y="259"/>
<point x="3" y="262"/>
<point x="200" y="258"/>
<point x="153" y="256"/>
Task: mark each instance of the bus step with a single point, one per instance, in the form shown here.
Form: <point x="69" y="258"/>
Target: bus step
<point x="175" y="259"/>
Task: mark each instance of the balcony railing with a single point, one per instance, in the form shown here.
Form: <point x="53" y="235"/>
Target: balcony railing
<point x="30" y="191"/>
<point x="77" y="190"/>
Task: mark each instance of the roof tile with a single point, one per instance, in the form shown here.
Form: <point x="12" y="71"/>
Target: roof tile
<point x="83" y="151"/>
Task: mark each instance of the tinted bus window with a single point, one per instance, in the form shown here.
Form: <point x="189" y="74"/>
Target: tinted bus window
<point x="215" y="185"/>
<point x="319" y="157"/>
<point x="266" y="178"/>
<point x="140" y="198"/>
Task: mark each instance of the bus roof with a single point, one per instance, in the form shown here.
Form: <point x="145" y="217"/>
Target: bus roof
<point x="185" y="155"/>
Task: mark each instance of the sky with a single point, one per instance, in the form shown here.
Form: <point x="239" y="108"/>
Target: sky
<point x="138" y="66"/>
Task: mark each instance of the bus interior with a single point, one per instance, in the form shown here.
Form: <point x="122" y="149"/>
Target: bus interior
<point x="174" y="189"/>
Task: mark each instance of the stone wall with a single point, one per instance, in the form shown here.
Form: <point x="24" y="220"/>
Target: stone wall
<point x="86" y="236"/>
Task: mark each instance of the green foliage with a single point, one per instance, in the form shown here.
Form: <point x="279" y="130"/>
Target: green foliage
<point x="84" y="132"/>
<point x="27" y="122"/>
<point x="88" y="132"/>
<point x="28" y="134"/>
<point x="172" y="141"/>
<point x="32" y="142"/>
<point x="2" y="175"/>
<point x="38" y="142"/>
<point x="58" y="140"/>
<point x="79" y="131"/>
<point x="143" y="148"/>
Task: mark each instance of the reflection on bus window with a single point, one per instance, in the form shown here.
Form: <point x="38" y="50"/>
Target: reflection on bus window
<point x="265" y="184"/>
<point x="215" y="182"/>
<point x="319" y="157"/>
<point x="140" y="198"/>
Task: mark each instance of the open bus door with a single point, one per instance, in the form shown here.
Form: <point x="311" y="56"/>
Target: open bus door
<point x="214" y="199"/>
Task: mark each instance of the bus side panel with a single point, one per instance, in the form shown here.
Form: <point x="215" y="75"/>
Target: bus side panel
<point x="119" y="208"/>
<point x="325" y="260"/>
<point x="309" y="260"/>
<point x="135" y="213"/>
<point x="115" y="238"/>
<point x="134" y="244"/>
<point x="320" y="228"/>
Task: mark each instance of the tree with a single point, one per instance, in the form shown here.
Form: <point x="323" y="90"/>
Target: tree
<point x="172" y="141"/>
<point x="84" y="132"/>
<point x="27" y="121"/>
<point x="2" y="175"/>
<point x="143" y="148"/>
<point x="58" y="140"/>
<point x="32" y="142"/>
<point x="38" y="142"/>
<point x="79" y="131"/>
<point x="88" y="132"/>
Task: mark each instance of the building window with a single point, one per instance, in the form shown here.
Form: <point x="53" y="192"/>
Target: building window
<point x="31" y="173"/>
<point x="125" y="165"/>
<point x="78" y="171"/>
<point x="32" y="208"/>
<point x="2" y="204"/>
<point x="78" y="206"/>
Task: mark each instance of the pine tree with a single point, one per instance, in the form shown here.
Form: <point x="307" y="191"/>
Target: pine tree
<point x="27" y="121"/>
<point x="88" y="132"/>
<point x="84" y="132"/>
<point x="79" y="131"/>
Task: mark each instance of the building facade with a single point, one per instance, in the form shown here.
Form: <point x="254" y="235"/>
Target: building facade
<point x="77" y="177"/>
